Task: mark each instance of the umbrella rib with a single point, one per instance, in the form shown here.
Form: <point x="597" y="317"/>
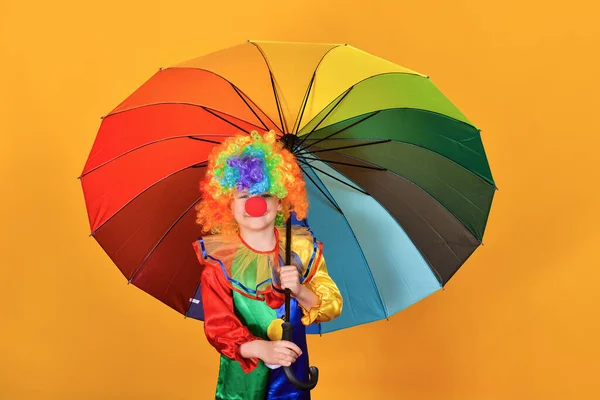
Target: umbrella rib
<point x="368" y="268"/>
<point x="488" y="181"/>
<point x="474" y="173"/>
<point x="202" y="164"/>
<point x="218" y="116"/>
<point x="348" y="91"/>
<point x="403" y="73"/>
<point x="324" y="194"/>
<point x="340" y="131"/>
<point x="417" y="109"/>
<point x="305" y="101"/>
<point x="199" y="139"/>
<point x="426" y="222"/>
<point x="148" y="144"/>
<point x="325" y="117"/>
<point x="415" y="211"/>
<point x="176" y="271"/>
<point x="211" y="110"/>
<point x="283" y="125"/>
<point x="161" y="239"/>
<point x="427" y="193"/>
<point x="220" y="76"/>
<point x="299" y="121"/>
<point x="251" y="109"/>
<point x="197" y="165"/>
<point x="440" y="236"/>
<point x="348" y="147"/>
<point x="342" y="163"/>
<point x="333" y="177"/>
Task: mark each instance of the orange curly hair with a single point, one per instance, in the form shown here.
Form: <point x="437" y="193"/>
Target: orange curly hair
<point x="279" y="166"/>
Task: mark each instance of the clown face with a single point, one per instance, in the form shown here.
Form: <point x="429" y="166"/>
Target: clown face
<point x="245" y="167"/>
<point x="248" y="219"/>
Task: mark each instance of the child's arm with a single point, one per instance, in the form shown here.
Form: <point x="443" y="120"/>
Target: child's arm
<point x="319" y="296"/>
<point x="330" y="302"/>
<point x="229" y="336"/>
<point x="223" y="329"/>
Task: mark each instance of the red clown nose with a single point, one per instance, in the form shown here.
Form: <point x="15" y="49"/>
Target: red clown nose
<point x="256" y="206"/>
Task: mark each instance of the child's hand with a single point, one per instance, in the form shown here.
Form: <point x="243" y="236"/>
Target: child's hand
<point x="279" y="352"/>
<point x="289" y="277"/>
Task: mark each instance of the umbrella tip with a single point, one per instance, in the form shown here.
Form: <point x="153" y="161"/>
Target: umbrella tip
<point x="160" y="68"/>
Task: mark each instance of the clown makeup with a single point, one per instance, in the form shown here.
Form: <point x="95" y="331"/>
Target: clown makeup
<point x="250" y="223"/>
<point x="246" y="166"/>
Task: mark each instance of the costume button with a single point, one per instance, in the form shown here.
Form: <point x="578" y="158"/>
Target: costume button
<point x="275" y="330"/>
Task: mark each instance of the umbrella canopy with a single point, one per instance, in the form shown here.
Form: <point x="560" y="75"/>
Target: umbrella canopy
<point x="398" y="181"/>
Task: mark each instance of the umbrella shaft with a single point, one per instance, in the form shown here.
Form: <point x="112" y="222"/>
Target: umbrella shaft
<point x="288" y="260"/>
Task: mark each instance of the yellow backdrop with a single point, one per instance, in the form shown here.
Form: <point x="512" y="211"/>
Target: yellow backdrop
<point x="519" y="320"/>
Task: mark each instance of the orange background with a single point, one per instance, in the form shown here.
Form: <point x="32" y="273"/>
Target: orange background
<point x="518" y="321"/>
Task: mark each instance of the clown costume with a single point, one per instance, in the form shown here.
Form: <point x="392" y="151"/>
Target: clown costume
<point x="242" y="296"/>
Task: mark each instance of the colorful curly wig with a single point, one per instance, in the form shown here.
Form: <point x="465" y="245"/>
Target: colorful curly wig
<point x="257" y="163"/>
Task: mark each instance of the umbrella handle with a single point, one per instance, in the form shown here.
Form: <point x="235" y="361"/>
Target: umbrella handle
<point x="289" y="373"/>
<point x="313" y="372"/>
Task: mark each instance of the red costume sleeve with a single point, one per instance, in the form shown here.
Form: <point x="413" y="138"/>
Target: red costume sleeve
<point x="223" y="329"/>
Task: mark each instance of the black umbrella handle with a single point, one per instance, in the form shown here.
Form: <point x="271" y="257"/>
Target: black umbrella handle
<point x="288" y="327"/>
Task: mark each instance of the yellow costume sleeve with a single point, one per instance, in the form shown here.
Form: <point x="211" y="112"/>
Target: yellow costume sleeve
<point x="330" y="301"/>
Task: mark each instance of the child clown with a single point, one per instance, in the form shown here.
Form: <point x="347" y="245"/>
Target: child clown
<point x="252" y="185"/>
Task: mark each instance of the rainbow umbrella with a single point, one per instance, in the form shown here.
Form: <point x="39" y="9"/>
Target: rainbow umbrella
<point x="398" y="180"/>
